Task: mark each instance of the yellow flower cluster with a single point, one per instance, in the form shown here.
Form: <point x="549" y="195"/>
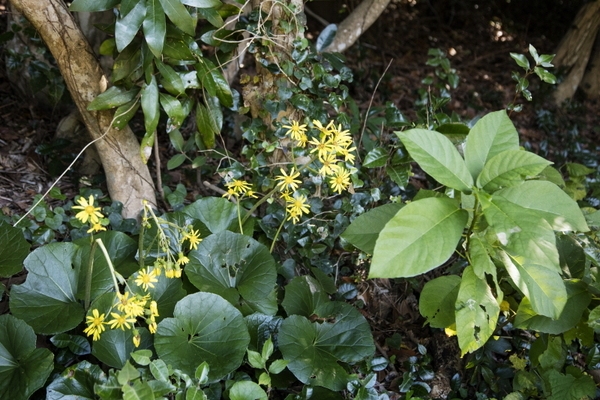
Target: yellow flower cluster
<point x="128" y="309"/>
<point x="238" y="189"/>
<point x="89" y="213"/>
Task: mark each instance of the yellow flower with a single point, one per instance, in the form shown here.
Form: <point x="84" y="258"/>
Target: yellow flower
<point x="296" y="207"/>
<point x="132" y="307"/>
<point x="95" y="324"/>
<point x="230" y="192"/>
<point x="193" y="237"/>
<point x="137" y="339"/>
<point x="348" y="156"/>
<point x="340" y="180"/>
<point x="329" y="165"/>
<point x="88" y="211"/>
<point x="238" y="186"/>
<point x="153" y="309"/>
<point x="323" y="147"/>
<point x="289" y="181"/>
<point x="326" y="130"/>
<point x="146" y="279"/>
<point x="450" y="330"/>
<point x="302" y="140"/>
<point x="504" y="306"/>
<point x="182" y="259"/>
<point x="120" y="321"/>
<point x="173" y="273"/>
<point x="295" y="130"/>
<point x="152" y="327"/>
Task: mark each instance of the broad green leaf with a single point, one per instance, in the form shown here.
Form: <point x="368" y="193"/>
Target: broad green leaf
<point x="247" y="390"/>
<point x="193" y="393"/>
<point x="23" y="368"/>
<point x="479" y="256"/>
<point x="76" y="382"/>
<point x="159" y="370"/>
<point x="202" y="3"/>
<point x="236" y="267"/>
<point x="206" y="327"/>
<point x="326" y="37"/>
<point x="216" y="213"/>
<point x="93" y="5"/>
<point x="477" y="312"/>
<point x="113" y="97"/>
<point x="150" y="106"/>
<point x="521" y="60"/>
<point x="578" y="298"/>
<point x="129" y="24"/>
<point x="364" y="230"/>
<point x="176" y="161"/>
<point x="124" y="113"/>
<point x="154" y="27"/>
<point x="509" y="168"/>
<point x="166" y="292"/>
<point x="138" y="391"/>
<point x="303" y="295"/>
<point x="420" y="237"/>
<point x="542" y="285"/>
<point x="548" y="201"/>
<point x="314" y="350"/>
<point x="128" y="62"/>
<point x="377" y="157"/>
<point x="207" y="127"/>
<point x="437" y="300"/>
<point x="146" y="146"/>
<point x="545" y="75"/>
<point x="491" y="135"/>
<point x="569" y="387"/>
<point x="179" y="15"/>
<point x="49" y="291"/>
<point x="523" y="234"/>
<point x="170" y="80"/>
<point x="204" y="70"/>
<point x="572" y="256"/>
<point x="224" y="93"/>
<point x="13" y="250"/>
<point x="79" y="345"/>
<point x="437" y="156"/>
<point x="212" y="16"/>
<point x="261" y="327"/>
<point x="174" y="110"/>
<point x="399" y="174"/>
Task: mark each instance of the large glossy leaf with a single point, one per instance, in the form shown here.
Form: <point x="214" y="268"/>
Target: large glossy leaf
<point x="47" y="300"/>
<point x="420" y="237"/>
<point x="166" y="292"/>
<point x="236" y="267"/>
<point x="170" y="79"/>
<point x="303" y="295"/>
<point x="570" y="386"/>
<point x="548" y="201"/>
<point x="155" y="27"/>
<point x="364" y="230"/>
<point x="179" y="15"/>
<point x="113" y="97"/>
<point x="479" y="256"/>
<point x="13" y="250"/>
<point x="202" y="3"/>
<point x="314" y="350"/>
<point x="477" y="312"/>
<point x="247" y="390"/>
<point x="578" y="298"/>
<point x="542" y="285"/>
<point x="437" y="156"/>
<point x="437" y="300"/>
<point x="206" y="327"/>
<point x="150" y="106"/>
<point x="128" y="26"/>
<point x="509" y="168"/>
<point x="216" y="213"/>
<point x="128" y="62"/>
<point x="491" y="135"/>
<point x="23" y="368"/>
<point x="76" y="382"/>
<point x="174" y="110"/>
<point x="93" y="5"/>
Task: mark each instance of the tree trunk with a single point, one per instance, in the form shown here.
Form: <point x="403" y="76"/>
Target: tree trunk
<point x="356" y="24"/>
<point x="575" y="50"/>
<point x="128" y="177"/>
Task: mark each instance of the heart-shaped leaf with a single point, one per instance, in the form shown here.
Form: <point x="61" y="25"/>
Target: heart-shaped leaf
<point x="206" y="327"/>
<point x="13" y="249"/>
<point x="76" y="382"/>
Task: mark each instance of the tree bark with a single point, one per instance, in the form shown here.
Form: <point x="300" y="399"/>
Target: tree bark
<point x="356" y="24"/>
<point x="575" y="49"/>
<point x="128" y="178"/>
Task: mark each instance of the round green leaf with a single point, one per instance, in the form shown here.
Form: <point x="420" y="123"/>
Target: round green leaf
<point x="236" y="267"/>
<point x="420" y="237"/>
<point x="208" y="328"/>
<point x="23" y="368"/>
<point x="247" y="390"/>
<point x="216" y="213"/>
<point x="47" y="300"/>
<point x="13" y="250"/>
<point x="303" y="295"/>
<point x="314" y="350"/>
<point x="76" y="382"/>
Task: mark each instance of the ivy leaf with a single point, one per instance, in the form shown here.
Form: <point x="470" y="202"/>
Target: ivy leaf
<point x="128" y="26"/>
<point x="477" y="312"/>
<point x="303" y="295"/>
<point x="206" y="327"/>
<point x="548" y="201"/>
<point x="364" y="230"/>
<point x="437" y="300"/>
<point x="509" y="168"/>
<point x="76" y="382"/>
<point x="437" y="156"/>
<point x="49" y="290"/>
<point x="236" y="267"/>
<point x="13" y="251"/>
<point x="420" y="237"/>
<point x="154" y="27"/>
<point x="491" y="135"/>
<point x="578" y="298"/>
<point x="23" y="368"/>
<point x="314" y="350"/>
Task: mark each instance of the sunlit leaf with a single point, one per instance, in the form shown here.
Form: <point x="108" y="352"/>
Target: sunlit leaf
<point x="364" y="230"/>
<point x="128" y="26"/>
<point x="437" y="300"/>
<point x="509" y="168"/>
<point x="179" y="15"/>
<point x="154" y="27"/>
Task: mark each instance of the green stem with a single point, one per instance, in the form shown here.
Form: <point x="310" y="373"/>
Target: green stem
<point x="88" y="278"/>
<point x="239" y="215"/>
<point x="113" y="273"/>
<point x="277" y="233"/>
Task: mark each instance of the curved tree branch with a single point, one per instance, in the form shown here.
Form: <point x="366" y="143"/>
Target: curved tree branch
<point x="128" y="177"/>
<point x="356" y="24"/>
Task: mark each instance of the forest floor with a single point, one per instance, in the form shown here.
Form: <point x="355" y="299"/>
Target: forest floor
<point x="477" y="39"/>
